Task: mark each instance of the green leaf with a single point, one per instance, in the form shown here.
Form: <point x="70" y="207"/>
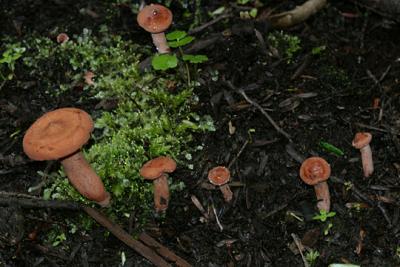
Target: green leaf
<point x="181" y="42"/>
<point x="253" y="12"/>
<point x="195" y="58"/>
<point x="175" y="35"/>
<point x="164" y="62"/>
<point x="331" y="148"/>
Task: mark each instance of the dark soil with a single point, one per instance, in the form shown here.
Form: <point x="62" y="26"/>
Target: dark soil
<point x="327" y="97"/>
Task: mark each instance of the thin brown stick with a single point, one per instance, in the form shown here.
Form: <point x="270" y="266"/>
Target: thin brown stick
<point x="115" y="229"/>
<point x="163" y="251"/>
<point x="122" y="235"/>
<point x="256" y="105"/>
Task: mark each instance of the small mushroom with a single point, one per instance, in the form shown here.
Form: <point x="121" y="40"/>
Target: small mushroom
<point x="60" y="134"/>
<point x="156" y="170"/>
<point x="361" y="141"/>
<point x="316" y="171"/>
<point x="62" y="38"/>
<point x="220" y="176"/>
<point x="155" y="18"/>
<point x="89" y="78"/>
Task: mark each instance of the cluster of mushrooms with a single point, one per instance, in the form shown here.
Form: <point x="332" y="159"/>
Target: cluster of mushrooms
<point x="60" y="134"/>
<point x="316" y="171"/>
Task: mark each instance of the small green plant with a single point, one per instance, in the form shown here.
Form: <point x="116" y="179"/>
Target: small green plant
<point x="316" y="51"/>
<point x="324" y="215"/>
<point x="177" y="39"/>
<point x="286" y="44"/>
<point x="312" y="256"/>
<point x="8" y="59"/>
<point x="348" y="185"/>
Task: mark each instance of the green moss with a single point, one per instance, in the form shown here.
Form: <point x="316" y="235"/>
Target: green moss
<point x="287" y="45"/>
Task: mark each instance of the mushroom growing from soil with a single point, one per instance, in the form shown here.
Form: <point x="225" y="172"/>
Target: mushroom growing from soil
<point x="156" y="170"/>
<point x="361" y="141"/>
<point x="316" y="171"/>
<point x="155" y="18"/>
<point x="60" y="134"/>
<point x="62" y="38"/>
<point x="220" y="176"/>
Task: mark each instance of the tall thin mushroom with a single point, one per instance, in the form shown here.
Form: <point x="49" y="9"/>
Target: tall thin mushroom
<point x="156" y="19"/>
<point x="361" y="141"/>
<point x="156" y="170"/>
<point x="60" y="134"/>
<point x="316" y="171"/>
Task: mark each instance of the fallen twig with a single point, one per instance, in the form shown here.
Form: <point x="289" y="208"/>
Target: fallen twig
<point x="255" y="104"/>
<point x="102" y="219"/>
<point x="163" y="251"/>
<point x="297" y="15"/>
<point x="299" y="245"/>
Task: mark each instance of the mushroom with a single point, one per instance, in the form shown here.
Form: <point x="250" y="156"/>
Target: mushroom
<point x="156" y="170"/>
<point x="361" y="141"/>
<point x="62" y="38"/>
<point x="89" y="78"/>
<point x="220" y="176"/>
<point x="60" y="134"/>
<point x="155" y="18"/>
<point x="316" y="171"/>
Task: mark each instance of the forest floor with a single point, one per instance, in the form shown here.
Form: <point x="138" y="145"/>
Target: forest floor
<point x="338" y="74"/>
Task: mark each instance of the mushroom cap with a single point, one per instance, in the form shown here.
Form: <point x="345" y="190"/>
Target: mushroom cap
<point x="57" y="134"/>
<point x="219" y="175"/>
<point x="315" y="170"/>
<point x="361" y="139"/>
<point x="154" y="168"/>
<point x="154" y="18"/>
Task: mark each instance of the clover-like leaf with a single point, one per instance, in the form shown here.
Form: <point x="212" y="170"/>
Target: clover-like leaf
<point x="164" y="62"/>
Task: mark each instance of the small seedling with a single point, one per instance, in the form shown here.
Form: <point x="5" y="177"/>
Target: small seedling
<point x="324" y="215"/>
<point x="312" y="256"/>
<point x="177" y="39"/>
<point x="331" y="148"/>
<point x="348" y="185"/>
<point x="328" y="228"/>
<point x="318" y="50"/>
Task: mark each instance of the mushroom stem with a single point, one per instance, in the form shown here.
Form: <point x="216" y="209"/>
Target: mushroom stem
<point x="161" y="193"/>
<point x="366" y="159"/>
<point x="226" y="192"/>
<point x="160" y="42"/>
<point x="84" y="179"/>
<point x="323" y="196"/>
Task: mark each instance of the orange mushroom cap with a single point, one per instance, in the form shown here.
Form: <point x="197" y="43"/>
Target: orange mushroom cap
<point x="154" y="168"/>
<point x="154" y="18"/>
<point x="361" y="140"/>
<point x="62" y="38"/>
<point x="57" y="134"/>
<point x="219" y="175"/>
<point x="315" y="170"/>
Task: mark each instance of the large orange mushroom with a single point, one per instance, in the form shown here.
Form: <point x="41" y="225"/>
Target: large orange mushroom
<point x="316" y="171"/>
<point x="156" y="170"/>
<point x="361" y="141"/>
<point x="220" y="176"/>
<point x="60" y="134"/>
<point x="156" y="19"/>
